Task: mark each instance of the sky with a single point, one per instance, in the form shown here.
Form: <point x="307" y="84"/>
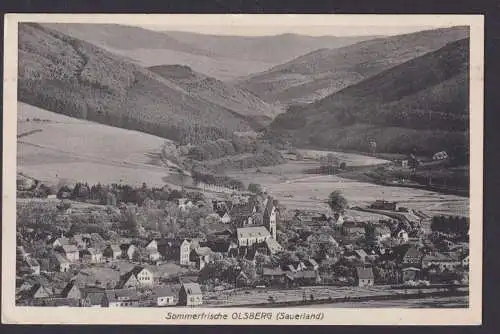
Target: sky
<point x="311" y="30"/>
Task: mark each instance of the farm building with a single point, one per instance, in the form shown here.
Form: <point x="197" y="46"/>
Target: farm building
<point x="164" y="296"/>
<point x="440" y="156"/>
<point x="364" y="276"/>
<point x="410" y="274"/>
<point x="112" y="252"/>
<point x="122" y="298"/>
<point x="190" y="294"/>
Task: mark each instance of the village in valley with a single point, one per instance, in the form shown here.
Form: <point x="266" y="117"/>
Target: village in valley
<point x="160" y="168"/>
<point x="166" y="247"/>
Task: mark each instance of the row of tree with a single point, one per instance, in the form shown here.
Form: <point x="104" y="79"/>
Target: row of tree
<point x="450" y="225"/>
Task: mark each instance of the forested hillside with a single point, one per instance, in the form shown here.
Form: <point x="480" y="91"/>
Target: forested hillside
<point x="320" y="73"/>
<point x="72" y="77"/>
<point x="422" y="104"/>
<point x="220" y="93"/>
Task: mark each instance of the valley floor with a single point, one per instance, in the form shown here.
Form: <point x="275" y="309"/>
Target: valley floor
<point x="296" y="190"/>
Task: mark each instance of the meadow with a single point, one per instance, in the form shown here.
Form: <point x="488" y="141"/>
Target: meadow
<point x="77" y="150"/>
<point x="296" y="190"/>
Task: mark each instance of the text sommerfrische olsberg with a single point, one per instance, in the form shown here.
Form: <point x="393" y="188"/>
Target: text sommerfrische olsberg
<point x="200" y="316"/>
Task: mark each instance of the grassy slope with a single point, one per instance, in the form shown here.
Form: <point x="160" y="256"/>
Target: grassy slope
<point x="72" y="77"/>
<point x="325" y="71"/>
<point x="73" y="149"/>
<point x="217" y="92"/>
<point x="406" y="107"/>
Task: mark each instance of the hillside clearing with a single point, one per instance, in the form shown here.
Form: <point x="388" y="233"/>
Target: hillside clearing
<point x="78" y="150"/>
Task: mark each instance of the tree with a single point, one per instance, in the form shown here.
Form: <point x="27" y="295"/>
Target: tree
<point x="255" y="188"/>
<point x="337" y="202"/>
<point x="129" y="220"/>
<point x="370" y="234"/>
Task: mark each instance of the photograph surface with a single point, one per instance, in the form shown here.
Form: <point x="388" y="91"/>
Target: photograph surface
<point x="244" y="169"/>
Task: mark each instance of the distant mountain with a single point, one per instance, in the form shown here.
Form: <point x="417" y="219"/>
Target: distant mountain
<point x="422" y="104"/>
<point x="222" y="57"/>
<point x="275" y="49"/>
<point x="72" y="77"/>
<point x="124" y="37"/>
<point x="320" y="73"/>
<point x="217" y="92"/>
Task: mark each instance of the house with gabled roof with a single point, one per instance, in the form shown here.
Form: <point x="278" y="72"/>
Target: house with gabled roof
<point x="81" y="241"/>
<point x="303" y="277"/>
<point x="361" y="254"/>
<point x="144" y="276"/>
<point x="410" y="274"/>
<point x="33" y="265"/>
<point x="59" y="241"/>
<point x="190" y="294"/>
<point x="152" y="245"/>
<point x="311" y="264"/>
<point x="91" y="255"/>
<point x="38" y="291"/>
<point x="71" y="291"/>
<point x="442" y="261"/>
<point x="153" y="255"/>
<point x="412" y="257"/>
<point x="112" y="252"/>
<point x="364" y="276"/>
<point x="58" y="262"/>
<point x="242" y="215"/>
<point x="70" y="252"/>
<point x="247" y="236"/>
<point x="122" y="298"/>
<point x="129" y="250"/>
<point x="273" y="246"/>
<point x="93" y="297"/>
<point x="128" y="280"/>
<point x="165" y="295"/>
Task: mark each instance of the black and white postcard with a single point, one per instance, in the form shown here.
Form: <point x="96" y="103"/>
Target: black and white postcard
<point x="242" y="169"/>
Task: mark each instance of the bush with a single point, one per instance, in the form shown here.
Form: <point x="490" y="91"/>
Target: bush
<point x="255" y="188"/>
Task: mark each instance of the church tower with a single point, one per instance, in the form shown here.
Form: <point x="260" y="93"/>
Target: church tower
<point x="270" y="218"/>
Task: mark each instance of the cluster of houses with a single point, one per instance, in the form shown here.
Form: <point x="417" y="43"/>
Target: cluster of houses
<point x="244" y="228"/>
<point x="239" y="236"/>
<point x="137" y="289"/>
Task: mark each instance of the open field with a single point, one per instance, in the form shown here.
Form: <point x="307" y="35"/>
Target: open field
<point x="78" y="150"/>
<point x="308" y="192"/>
<point x="431" y="302"/>
<point x="351" y="159"/>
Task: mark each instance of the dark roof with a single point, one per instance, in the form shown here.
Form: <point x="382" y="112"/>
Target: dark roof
<point x="95" y="297"/>
<point x="58" y="302"/>
<point x="164" y="290"/>
<point x="67" y="288"/>
<point x="305" y="274"/>
<point x="113" y="295"/>
<point x="269" y="207"/>
<point x="30" y="293"/>
<point x="32" y="262"/>
<point x="272" y="272"/>
<point x="412" y="252"/>
<point x="192" y="288"/>
<point x="242" y="210"/>
<point x="364" y="273"/>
